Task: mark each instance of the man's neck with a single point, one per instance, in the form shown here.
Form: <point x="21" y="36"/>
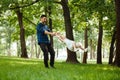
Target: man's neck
<point x="42" y="22"/>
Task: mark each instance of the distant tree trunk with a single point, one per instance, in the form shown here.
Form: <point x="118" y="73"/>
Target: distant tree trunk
<point x="69" y="33"/>
<point x="22" y="34"/>
<point x="103" y="53"/>
<point x="9" y="48"/>
<point x="37" y="49"/>
<point x="86" y="45"/>
<point x="9" y="41"/>
<point x="32" y="46"/>
<point x="18" y="49"/>
<point x="117" y="57"/>
<point x="57" y="51"/>
<point x="99" y="46"/>
<point x="112" y="48"/>
<point x="91" y="51"/>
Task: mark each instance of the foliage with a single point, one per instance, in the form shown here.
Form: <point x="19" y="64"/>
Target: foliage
<point x="83" y="13"/>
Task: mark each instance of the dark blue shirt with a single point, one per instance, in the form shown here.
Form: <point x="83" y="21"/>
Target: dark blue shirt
<point x="41" y="36"/>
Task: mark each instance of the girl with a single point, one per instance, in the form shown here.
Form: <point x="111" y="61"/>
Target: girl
<point x="71" y="45"/>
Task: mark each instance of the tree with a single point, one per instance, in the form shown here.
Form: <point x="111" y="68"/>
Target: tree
<point x="68" y="28"/>
<point x="117" y="57"/>
<point x="99" y="46"/>
<point x="86" y="45"/>
<point x="112" y="47"/>
<point x="17" y="8"/>
<point x="22" y="34"/>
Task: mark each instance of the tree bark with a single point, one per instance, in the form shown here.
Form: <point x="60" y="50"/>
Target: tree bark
<point x="18" y="49"/>
<point x="32" y="46"/>
<point x="99" y="46"/>
<point x="50" y="23"/>
<point x="91" y="49"/>
<point x="71" y="56"/>
<point x="86" y="45"/>
<point x="112" y="48"/>
<point x="117" y="57"/>
<point x="22" y="34"/>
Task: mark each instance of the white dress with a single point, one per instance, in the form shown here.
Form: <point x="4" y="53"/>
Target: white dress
<point x="69" y="44"/>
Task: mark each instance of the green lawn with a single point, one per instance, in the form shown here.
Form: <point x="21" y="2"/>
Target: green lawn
<point x="33" y="69"/>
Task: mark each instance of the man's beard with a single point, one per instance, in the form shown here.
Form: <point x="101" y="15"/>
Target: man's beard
<point x="45" y="22"/>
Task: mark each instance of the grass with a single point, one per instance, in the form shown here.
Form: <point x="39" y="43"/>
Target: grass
<point x="33" y="69"/>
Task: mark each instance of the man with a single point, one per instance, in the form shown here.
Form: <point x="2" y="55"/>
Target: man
<point x="42" y="35"/>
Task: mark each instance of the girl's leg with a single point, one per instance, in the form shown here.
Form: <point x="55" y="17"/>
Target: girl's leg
<point x="78" y="45"/>
<point x="74" y="46"/>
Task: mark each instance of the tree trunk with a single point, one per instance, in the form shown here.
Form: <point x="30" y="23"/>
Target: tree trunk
<point x="9" y="41"/>
<point x="117" y="57"/>
<point x="22" y="34"/>
<point x="91" y="49"/>
<point x="37" y="53"/>
<point x="32" y="46"/>
<point x="50" y="23"/>
<point x="99" y="46"/>
<point x="112" y="48"/>
<point x="69" y="33"/>
<point x="86" y="45"/>
<point x="18" y="49"/>
<point x="48" y="11"/>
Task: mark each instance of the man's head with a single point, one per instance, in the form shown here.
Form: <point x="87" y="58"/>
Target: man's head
<point x="43" y="19"/>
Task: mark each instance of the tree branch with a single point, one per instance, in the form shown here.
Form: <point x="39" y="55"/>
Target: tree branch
<point x="57" y="2"/>
<point x="29" y="21"/>
<point x="26" y="5"/>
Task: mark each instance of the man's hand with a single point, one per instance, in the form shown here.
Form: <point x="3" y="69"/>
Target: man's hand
<point x="50" y="33"/>
<point x="53" y="33"/>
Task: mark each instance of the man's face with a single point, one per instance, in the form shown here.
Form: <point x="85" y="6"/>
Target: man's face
<point x="44" y="20"/>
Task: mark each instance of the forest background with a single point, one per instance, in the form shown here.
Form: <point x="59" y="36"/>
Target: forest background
<point x="92" y="22"/>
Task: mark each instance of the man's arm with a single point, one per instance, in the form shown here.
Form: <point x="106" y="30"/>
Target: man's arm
<point x="61" y="38"/>
<point x="49" y="33"/>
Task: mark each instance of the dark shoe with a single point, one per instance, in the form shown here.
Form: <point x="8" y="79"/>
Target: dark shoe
<point x="47" y="67"/>
<point x="53" y="67"/>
